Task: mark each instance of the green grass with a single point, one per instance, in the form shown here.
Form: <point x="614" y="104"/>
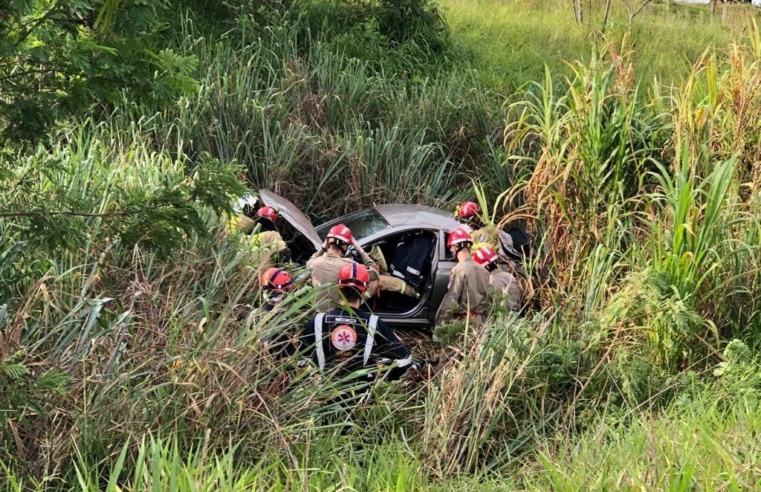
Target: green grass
<point x="511" y="41"/>
<point x="701" y="442"/>
<point x="635" y="368"/>
<point x="697" y="444"/>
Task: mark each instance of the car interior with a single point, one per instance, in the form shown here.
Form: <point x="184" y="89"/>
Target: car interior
<point x="301" y="248"/>
<point x="415" y="248"/>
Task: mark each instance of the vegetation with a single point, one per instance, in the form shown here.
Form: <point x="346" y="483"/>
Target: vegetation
<point x="511" y="41"/>
<point x="132" y="352"/>
<point x="60" y="58"/>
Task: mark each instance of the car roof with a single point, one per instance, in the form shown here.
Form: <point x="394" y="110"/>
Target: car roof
<point x="399" y="215"/>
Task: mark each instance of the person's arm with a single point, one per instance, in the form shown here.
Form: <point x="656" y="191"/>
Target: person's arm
<point x="514" y="294"/>
<point x="323" y="249"/>
<point x="369" y="263"/>
<point x="377" y="254"/>
<point x="451" y="299"/>
<point x="390" y="346"/>
<point x="306" y="340"/>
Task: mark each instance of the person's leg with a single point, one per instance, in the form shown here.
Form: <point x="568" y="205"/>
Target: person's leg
<point x="395" y="284"/>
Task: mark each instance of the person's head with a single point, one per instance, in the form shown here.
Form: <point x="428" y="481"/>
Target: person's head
<point x="458" y="242"/>
<point x="486" y="257"/>
<point x="266" y="216"/>
<point x="469" y="213"/>
<point x="339" y="237"/>
<point x="353" y="280"/>
<point x="275" y="282"/>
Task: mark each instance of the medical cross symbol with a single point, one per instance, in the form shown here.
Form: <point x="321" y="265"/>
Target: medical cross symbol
<point x="343" y="337"/>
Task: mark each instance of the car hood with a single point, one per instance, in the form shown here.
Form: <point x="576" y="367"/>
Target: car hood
<point x="293" y="215"/>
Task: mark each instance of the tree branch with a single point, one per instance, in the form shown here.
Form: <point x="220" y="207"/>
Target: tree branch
<point x="37" y="22"/>
<point x="605" y="17"/>
<point x="39" y="213"/>
<point x="645" y="4"/>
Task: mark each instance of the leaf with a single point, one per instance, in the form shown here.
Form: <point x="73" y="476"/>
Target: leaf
<point x="13" y="371"/>
<point x="53" y="380"/>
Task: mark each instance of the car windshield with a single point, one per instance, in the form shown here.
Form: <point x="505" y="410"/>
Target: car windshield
<point x="361" y="224"/>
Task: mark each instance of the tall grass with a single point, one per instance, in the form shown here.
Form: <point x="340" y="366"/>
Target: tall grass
<point x="134" y="369"/>
<point x="695" y="444"/>
<point x="328" y="129"/>
<point x="511" y="42"/>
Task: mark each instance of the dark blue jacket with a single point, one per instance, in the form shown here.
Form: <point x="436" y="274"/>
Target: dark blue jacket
<point x="411" y="259"/>
<point x="345" y="341"/>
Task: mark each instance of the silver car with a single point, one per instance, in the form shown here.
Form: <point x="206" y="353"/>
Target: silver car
<point x="390" y="227"/>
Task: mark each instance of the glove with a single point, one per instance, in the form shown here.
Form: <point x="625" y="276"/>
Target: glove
<point x="323" y="249"/>
<point x="361" y="252"/>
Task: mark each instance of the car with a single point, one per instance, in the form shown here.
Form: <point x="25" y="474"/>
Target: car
<point x="393" y="228"/>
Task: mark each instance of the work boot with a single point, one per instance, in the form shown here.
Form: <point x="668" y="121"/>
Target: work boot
<point x="409" y="291"/>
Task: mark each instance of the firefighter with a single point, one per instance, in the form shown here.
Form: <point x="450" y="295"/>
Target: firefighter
<point x="325" y="264"/>
<point x="345" y="339"/>
<point x="275" y="284"/>
<point x="483" y="235"/>
<point x="468" y="292"/>
<point x="266" y="239"/>
<point x="500" y="279"/>
<point x="245" y="211"/>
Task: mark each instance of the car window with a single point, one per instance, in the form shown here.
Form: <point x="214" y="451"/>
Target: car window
<point x="448" y="256"/>
<point x="362" y="224"/>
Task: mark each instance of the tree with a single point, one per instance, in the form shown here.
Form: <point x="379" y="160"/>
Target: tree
<point x="60" y="57"/>
<point x="578" y="11"/>
<point x="635" y="10"/>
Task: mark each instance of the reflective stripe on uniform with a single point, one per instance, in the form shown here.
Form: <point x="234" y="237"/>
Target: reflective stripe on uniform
<point x="370" y="337"/>
<point x="372" y="325"/>
<point x="318" y="340"/>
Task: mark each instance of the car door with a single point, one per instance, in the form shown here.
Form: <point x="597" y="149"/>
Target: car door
<point x="424" y="313"/>
<point x="442" y="268"/>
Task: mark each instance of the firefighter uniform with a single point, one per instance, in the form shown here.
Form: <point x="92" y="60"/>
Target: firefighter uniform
<point x="506" y="286"/>
<point x="467" y="295"/>
<point x="240" y="223"/>
<point x="267" y="240"/>
<point x="324" y="267"/>
<point x="269" y="246"/>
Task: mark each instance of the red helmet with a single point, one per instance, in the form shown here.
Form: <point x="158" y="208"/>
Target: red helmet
<point x="267" y="213"/>
<point x="467" y="210"/>
<point x="340" y="233"/>
<point x="485" y="256"/>
<point x="276" y="279"/>
<point x="354" y="275"/>
<point x="458" y="236"/>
